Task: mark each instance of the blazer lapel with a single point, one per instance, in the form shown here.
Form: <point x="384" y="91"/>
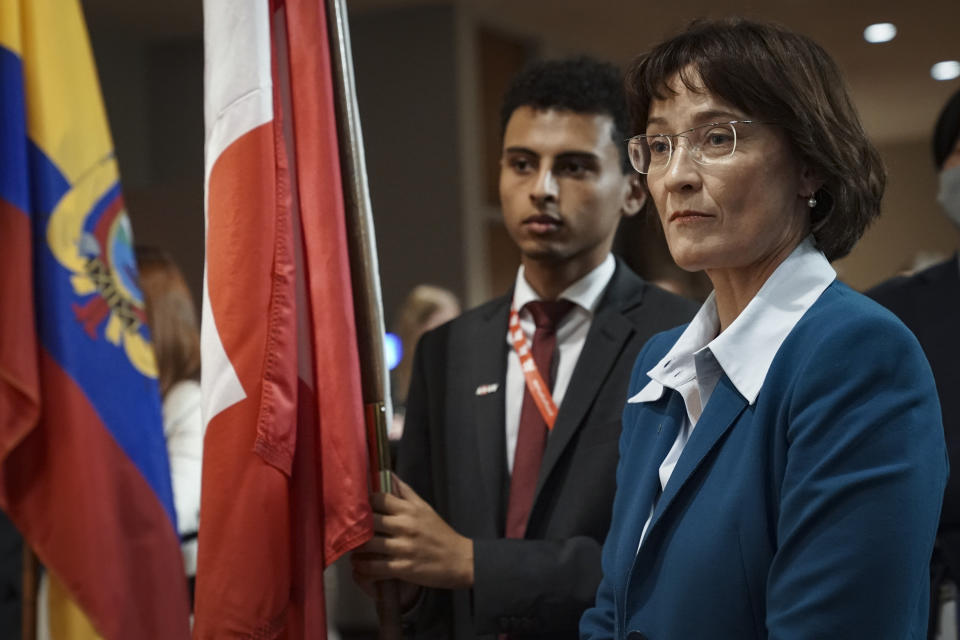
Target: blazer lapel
<point x="652" y="447"/>
<point x="609" y="333"/>
<point x="488" y="365"/>
<point x="724" y="407"/>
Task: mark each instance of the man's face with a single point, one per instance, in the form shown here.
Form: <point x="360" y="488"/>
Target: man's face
<point x="562" y="189"/>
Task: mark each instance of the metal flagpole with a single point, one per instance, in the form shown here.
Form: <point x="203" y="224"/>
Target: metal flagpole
<point x="28" y="596"/>
<point x="365" y="275"/>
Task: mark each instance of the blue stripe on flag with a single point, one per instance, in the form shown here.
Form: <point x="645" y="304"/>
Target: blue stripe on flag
<point x="14" y="183"/>
<point x="47" y="183"/>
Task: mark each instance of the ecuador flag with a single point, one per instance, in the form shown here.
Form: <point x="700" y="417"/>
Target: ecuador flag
<point x="83" y="465"/>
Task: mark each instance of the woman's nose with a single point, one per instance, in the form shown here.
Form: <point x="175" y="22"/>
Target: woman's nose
<point x="681" y="172"/>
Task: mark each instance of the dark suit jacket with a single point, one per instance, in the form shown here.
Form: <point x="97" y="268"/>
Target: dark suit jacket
<point x="453" y="453"/>
<point x="809" y="514"/>
<point x="929" y="304"/>
<point x="11" y="578"/>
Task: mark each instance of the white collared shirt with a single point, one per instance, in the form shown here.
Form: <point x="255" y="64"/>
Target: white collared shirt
<point x="743" y="352"/>
<point x="585" y="293"/>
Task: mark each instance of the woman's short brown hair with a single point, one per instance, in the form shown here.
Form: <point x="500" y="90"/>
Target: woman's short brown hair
<point x="778" y="76"/>
<point x="171" y="316"/>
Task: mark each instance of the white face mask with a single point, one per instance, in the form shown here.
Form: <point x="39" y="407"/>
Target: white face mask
<point x="949" y="194"/>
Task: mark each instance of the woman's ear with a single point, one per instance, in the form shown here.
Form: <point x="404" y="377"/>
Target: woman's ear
<point x="635" y="195"/>
<point x="810" y="181"/>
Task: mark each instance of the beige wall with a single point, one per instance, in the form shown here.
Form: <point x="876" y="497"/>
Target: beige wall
<point x="405" y="66"/>
<point x="911" y="220"/>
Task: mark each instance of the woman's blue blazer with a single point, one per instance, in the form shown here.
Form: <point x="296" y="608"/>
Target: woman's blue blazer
<point x="810" y="513"/>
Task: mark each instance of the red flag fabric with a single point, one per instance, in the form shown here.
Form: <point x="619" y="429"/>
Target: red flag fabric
<point x="285" y="488"/>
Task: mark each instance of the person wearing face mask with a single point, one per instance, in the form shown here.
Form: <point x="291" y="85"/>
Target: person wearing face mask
<point x="946" y="152"/>
<point x="929" y="304"/>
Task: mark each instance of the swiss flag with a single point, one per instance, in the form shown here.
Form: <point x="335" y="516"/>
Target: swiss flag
<point x="285" y="489"/>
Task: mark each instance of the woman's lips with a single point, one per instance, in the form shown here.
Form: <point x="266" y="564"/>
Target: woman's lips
<point x="689" y="216"/>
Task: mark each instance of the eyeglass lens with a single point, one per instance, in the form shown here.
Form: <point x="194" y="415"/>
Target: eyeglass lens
<point x="706" y="144"/>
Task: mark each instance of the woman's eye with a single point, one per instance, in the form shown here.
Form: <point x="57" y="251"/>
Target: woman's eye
<point x="659" y="147"/>
<point x="719" y="138"/>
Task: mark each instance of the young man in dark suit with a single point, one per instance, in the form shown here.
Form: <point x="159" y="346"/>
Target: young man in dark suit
<point x="506" y="491"/>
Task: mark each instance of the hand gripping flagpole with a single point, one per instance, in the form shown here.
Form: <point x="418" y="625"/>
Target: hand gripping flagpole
<point x="365" y="275"/>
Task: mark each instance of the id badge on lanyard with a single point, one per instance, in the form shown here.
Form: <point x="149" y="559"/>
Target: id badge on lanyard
<point x="538" y="389"/>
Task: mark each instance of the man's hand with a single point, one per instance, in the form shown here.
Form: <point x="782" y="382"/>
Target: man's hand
<point x="412" y="543"/>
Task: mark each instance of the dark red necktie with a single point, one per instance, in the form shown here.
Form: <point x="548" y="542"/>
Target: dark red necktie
<point x="532" y="435"/>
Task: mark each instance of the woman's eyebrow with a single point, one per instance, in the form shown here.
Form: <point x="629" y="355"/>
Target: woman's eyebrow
<point x="701" y="117"/>
<point x="717" y="114"/>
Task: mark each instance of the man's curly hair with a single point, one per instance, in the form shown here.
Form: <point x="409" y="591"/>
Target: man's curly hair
<point x="580" y="85"/>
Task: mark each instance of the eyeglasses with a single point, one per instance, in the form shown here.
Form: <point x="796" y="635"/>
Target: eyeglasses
<point x="712" y="143"/>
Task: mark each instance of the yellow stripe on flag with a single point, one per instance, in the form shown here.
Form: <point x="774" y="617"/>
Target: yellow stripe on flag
<point x="67" y="621"/>
<point x="10" y="26"/>
<point x="55" y="34"/>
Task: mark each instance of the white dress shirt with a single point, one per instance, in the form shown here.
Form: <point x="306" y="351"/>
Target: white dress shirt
<point x="572" y="331"/>
<point x="183" y="430"/>
<point x="743" y="352"/>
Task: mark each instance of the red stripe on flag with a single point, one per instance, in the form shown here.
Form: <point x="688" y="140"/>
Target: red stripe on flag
<point x="19" y="378"/>
<point x="88" y="511"/>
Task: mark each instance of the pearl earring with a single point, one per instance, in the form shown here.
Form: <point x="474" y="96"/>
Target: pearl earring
<point x="812" y="202"/>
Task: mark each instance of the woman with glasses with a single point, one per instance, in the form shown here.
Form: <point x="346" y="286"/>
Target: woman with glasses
<point x="782" y="459"/>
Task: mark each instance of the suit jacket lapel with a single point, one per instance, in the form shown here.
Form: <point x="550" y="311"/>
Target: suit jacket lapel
<point x="722" y="410"/>
<point x="489" y="365"/>
<point x="609" y="333"/>
<point x="653" y="448"/>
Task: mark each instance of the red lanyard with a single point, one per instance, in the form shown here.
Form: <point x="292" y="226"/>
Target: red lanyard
<point x="535" y="385"/>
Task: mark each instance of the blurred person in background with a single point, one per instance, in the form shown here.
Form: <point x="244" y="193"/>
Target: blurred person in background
<point x="782" y="461"/>
<point x="426" y="307"/>
<point x="928" y="302"/>
<point x="174" y="330"/>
